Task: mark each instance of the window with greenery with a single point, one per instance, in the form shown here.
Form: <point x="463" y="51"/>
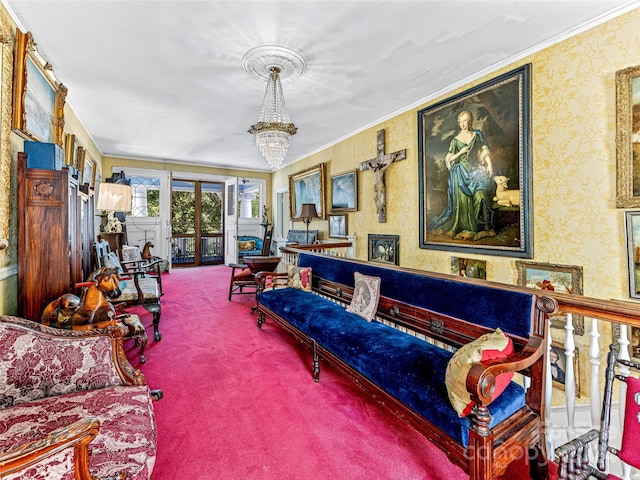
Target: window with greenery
<point x="145" y="197"/>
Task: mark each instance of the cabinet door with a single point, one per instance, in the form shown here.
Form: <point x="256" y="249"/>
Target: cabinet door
<point x="75" y="235"/>
<point x="43" y="238"/>
<point x="88" y="234"/>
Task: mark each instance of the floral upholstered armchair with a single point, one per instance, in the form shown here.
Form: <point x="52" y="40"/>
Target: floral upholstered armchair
<point x="71" y="406"/>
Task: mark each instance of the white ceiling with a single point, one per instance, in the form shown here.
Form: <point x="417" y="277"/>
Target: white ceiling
<point x="163" y="80"/>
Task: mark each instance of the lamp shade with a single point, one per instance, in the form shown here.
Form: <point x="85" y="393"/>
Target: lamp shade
<point x="114" y="197"/>
<point x="309" y="211"/>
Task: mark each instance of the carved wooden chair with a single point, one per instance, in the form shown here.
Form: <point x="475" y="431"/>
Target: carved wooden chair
<point x="142" y="283"/>
<point x="242" y="277"/>
<point x="573" y="457"/>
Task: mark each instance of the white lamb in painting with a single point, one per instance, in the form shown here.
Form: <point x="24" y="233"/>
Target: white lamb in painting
<point x="504" y="196"/>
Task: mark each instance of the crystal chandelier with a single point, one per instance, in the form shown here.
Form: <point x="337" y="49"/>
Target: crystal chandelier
<point x="274" y="130"/>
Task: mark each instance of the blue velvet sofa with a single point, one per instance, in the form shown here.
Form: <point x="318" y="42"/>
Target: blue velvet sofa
<point x="405" y="371"/>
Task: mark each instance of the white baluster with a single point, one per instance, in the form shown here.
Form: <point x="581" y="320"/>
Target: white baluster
<point x="570" y="377"/>
<point x="548" y="395"/>
<point x="352" y="249"/>
<point x="594" y="359"/>
<point x="623" y="355"/>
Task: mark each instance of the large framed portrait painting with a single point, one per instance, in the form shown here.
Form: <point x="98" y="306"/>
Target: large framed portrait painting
<point x="474" y="169"/>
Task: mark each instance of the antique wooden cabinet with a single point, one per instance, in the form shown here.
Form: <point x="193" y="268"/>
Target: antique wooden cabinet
<point x="55" y="233"/>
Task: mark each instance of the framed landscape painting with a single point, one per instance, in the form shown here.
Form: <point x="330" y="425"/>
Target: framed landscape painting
<point x="38" y="97"/>
<point x="344" y="192"/>
<point x="556" y="278"/>
<point x="338" y="226"/>
<point x="475" y="171"/>
<point x="627" y="138"/>
<point x="307" y="186"/>
<point x="468" y="267"/>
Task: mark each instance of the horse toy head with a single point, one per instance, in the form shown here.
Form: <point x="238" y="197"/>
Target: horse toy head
<point x="107" y="280"/>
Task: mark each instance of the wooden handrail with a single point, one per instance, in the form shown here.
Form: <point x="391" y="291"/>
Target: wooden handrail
<point x="314" y="247"/>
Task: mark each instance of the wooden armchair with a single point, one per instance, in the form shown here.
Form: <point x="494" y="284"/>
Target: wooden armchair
<point x="243" y="277"/>
<point x="573" y="457"/>
<point x="142" y="282"/>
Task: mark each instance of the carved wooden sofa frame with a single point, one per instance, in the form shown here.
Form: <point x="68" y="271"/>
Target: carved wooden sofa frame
<point x="489" y="450"/>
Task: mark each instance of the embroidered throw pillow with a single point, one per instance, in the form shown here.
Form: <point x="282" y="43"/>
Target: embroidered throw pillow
<point x="366" y="294"/>
<point x="488" y="347"/>
<point x="299" y="277"/>
<point x="243" y="246"/>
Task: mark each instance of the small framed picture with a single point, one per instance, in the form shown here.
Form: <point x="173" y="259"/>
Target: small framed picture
<point x="338" y="226"/>
<point x="632" y="226"/>
<point x="89" y="170"/>
<point x="558" y="361"/>
<point x="558" y="278"/>
<point x="384" y="248"/>
<point x="468" y="267"/>
<point x="635" y="343"/>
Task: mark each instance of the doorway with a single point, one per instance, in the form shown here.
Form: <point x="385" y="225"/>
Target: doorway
<point x="197" y="223"/>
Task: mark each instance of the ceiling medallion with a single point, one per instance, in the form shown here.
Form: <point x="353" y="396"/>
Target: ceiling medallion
<point x="259" y="61"/>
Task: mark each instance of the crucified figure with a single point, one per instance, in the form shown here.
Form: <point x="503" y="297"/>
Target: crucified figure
<point x="379" y="187"/>
<point x="379" y="165"/>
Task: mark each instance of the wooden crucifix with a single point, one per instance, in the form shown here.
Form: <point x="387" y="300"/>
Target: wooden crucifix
<point x="379" y="165"/>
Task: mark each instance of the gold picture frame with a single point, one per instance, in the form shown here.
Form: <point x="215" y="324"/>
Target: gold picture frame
<point x="627" y="151"/>
<point x="38" y="96"/>
<point x="88" y="169"/>
<point x="70" y="150"/>
<point x="344" y="192"/>
<point x="554" y="277"/>
<point x="307" y="186"/>
<point x="5" y="151"/>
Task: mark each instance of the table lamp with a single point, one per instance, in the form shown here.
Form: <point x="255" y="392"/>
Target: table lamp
<point x="113" y="197"/>
<point x="307" y="213"/>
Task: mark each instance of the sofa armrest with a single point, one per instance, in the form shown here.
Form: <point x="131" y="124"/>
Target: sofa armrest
<point x="481" y="379"/>
<point x="38" y="361"/>
<point x="62" y="453"/>
<point x="272" y="279"/>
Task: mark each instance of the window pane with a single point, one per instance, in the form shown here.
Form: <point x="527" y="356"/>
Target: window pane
<point x="146" y="197"/>
<point x="183" y="213"/>
<point x="211" y="210"/>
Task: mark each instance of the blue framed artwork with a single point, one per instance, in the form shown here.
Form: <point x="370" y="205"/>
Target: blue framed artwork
<point x="475" y="171"/>
<point x="307" y="186"/>
<point x="344" y="192"/>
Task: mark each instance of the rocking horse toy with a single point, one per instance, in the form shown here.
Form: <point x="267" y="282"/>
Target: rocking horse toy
<point x="90" y="311"/>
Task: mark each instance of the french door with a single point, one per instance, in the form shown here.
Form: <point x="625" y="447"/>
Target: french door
<point x="197" y="223"/>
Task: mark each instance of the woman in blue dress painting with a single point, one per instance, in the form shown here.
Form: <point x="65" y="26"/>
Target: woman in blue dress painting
<point x="467" y="215"/>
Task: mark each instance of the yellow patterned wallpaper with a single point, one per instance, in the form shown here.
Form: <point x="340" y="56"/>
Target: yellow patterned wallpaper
<point x="575" y="221"/>
<point x="573" y="156"/>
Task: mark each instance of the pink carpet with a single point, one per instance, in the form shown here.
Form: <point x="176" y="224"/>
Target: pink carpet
<point x="240" y="403"/>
